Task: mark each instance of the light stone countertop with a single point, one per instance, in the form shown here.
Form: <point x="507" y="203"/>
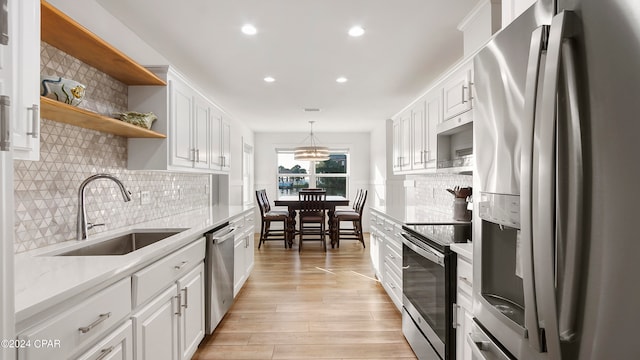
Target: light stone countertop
<point x="412" y="216"/>
<point x="463" y="249"/>
<point x="43" y="281"/>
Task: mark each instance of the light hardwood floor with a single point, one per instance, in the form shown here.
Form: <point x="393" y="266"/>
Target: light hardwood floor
<point x="312" y="305"/>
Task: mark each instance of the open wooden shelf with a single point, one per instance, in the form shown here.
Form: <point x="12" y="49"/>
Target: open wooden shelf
<point x="62" y="32"/>
<point x="68" y="114"/>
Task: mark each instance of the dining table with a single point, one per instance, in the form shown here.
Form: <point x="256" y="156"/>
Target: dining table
<point x="292" y="202"/>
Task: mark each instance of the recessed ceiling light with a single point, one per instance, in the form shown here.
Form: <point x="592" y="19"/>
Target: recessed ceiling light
<point x="249" y="29"/>
<point x="356" y="31"/>
<point x="269" y="79"/>
<point x="341" y="79"/>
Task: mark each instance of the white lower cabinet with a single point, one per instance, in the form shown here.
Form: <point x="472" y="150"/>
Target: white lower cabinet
<point x="79" y="326"/>
<point x="463" y="308"/>
<point x="172" y="325"/>
<point x="191" y="317"/>
<point x="243" y="250"/>
<point x="156" y="328"/>
<point x="116" y="346"/>
<point x="385" y="244"/>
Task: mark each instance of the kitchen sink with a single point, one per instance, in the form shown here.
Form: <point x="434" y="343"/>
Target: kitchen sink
<point x="123" y="244"/>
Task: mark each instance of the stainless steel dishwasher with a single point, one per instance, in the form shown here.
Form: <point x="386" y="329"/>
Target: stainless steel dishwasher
<point x="219" y="274"/>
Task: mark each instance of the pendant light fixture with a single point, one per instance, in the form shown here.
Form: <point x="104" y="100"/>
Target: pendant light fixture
<point x="313" y="152"/>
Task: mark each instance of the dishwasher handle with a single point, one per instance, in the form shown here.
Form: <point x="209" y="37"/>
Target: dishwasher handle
<point x="222" y="235"/>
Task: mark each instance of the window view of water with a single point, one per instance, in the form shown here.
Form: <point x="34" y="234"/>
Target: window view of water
<point x="330" y="175"/>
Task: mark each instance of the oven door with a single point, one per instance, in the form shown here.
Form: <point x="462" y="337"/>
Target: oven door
<point x="424" y="284"/>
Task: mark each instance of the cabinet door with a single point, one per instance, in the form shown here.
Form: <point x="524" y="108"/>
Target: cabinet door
<point x="405" y="141"/>
<point x="396" y="145"/>
<point x="191" y="328"/>
<point x="418" y="135"/>
<point x="201" y="133"/>
<point x="457" y="93"/>
<point x="374" y="248"/>
<point x="156" y="328"/>
<point x="215" y="138"/>
<point x="239" y="268"/>
<point x="463" y="327"/>
<point x="116" y="346"/>
<point x="226" y="145"/>
<point x="26" y="117"/>
<point x="181" y="106"/>
<point x="249" y="254"/>
<point x="433" y="118"/>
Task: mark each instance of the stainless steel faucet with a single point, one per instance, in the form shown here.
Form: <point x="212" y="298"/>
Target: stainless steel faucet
<point x="82" y="225"/>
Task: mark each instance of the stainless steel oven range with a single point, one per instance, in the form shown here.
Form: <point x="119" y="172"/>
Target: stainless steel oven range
<point x="428" y="288"/>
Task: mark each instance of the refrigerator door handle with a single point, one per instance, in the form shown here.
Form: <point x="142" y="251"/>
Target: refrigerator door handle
<point x="536" y="48"/>
<point x="545" y="215"/>
<point x="569" y="285"/>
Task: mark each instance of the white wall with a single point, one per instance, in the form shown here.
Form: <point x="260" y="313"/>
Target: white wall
<point x="240" y="134"/>
<point x="378" y="167"/>
<point x="266" y="167"/>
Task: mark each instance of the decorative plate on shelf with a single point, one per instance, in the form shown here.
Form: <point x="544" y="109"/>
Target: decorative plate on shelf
<point x="64" y="90"/>
<point x="144" y="120"/>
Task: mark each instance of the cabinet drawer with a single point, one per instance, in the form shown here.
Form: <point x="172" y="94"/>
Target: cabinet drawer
<point x="154" y="278"/>
<point x="394" y="259"/>
<point x="393" y="285"/>
<point x="238" y="223"/>
<point x="80" y="325"/>
<point x="463" y="299"/>
<point x="465" y="277"/>
<point x="115" y="346"/>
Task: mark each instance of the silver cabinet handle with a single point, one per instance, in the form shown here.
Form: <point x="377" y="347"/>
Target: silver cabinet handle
<point x="186" y="298"/>
<point x="179" y="297"/>
<point x="35" y="116"/>
<point x="5" y="122"/>
<point x="105" y="352"/>
<point x="454" y="320"/>
<point x="465" y="280"/>
<point x="197" y="155"/>
<point x="464" y="100"/>
<point x="101" y="318"/>
<point x="182" y="264"/>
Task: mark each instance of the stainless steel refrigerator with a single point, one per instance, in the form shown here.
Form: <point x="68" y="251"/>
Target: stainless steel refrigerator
<point x="556" y="134"/>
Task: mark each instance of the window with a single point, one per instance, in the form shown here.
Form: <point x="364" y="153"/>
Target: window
<point x="332" y="174"/>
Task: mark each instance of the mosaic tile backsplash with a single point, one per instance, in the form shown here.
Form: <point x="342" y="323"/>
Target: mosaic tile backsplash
<point x="430" y="192"/>
<point x="46" y="191"/>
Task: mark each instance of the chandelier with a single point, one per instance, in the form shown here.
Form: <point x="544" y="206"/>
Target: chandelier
<point x="313" y="152"/>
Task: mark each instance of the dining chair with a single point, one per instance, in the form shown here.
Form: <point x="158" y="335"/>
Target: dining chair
<point x="268" y="216"/>
<point x="355" y="217"/>
<point x="312" y="216"/>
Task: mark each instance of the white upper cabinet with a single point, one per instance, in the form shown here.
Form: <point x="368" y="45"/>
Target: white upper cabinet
<point x="457" y="92"/>
<point x="426" y="114"/>
<point x="196" y="130"/>
<point x="418" y="139"/>
<point x="220" y="136"/>
<point x="181" y="110"/>
<point x="25" y="19"/>
<point x="433" y="134"/>
<point x="201" y="123"/>
<point x="433" y="118"/>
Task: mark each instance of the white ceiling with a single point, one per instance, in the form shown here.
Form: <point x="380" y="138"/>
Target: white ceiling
<point x="304" y="45"/>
